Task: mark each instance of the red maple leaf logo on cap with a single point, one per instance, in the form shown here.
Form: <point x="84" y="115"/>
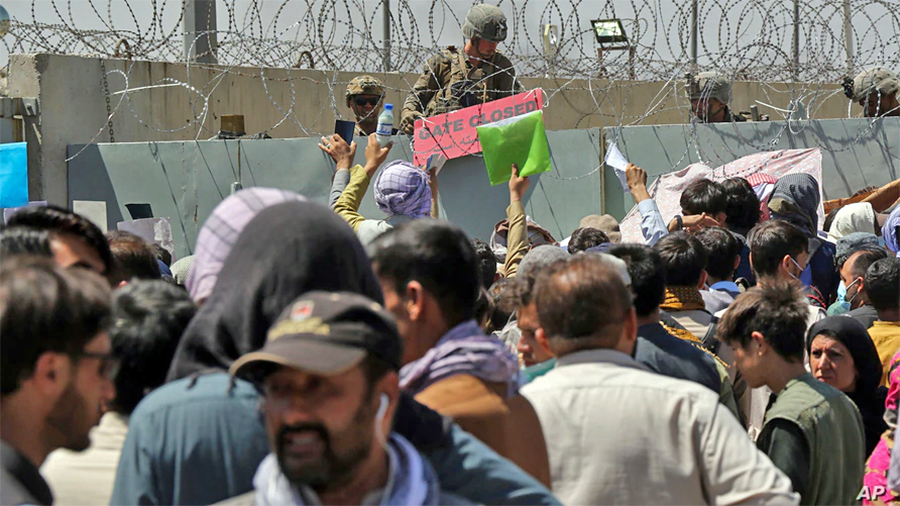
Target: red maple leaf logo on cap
<point x="302" y="310"/>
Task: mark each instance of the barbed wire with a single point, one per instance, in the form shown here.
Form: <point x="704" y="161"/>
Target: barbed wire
<point x="748" y="40"/>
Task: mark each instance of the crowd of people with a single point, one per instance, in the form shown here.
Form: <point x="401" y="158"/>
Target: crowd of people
<point x="740" y="353"/>
<point x="307" y="355"/>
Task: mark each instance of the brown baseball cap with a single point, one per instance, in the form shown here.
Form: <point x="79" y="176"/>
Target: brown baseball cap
<point x="325" y="333"/>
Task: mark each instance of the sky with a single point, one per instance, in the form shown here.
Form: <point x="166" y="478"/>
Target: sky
<point x="751" y="33"/>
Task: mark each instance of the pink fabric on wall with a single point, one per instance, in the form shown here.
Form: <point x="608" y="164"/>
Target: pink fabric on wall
<point x="666" y="189"/>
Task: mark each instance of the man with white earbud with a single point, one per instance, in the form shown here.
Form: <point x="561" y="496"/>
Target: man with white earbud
<point x="328" y="373"/>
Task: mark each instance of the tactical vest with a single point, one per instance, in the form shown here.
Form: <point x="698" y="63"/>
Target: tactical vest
<point x="833" y="430"/>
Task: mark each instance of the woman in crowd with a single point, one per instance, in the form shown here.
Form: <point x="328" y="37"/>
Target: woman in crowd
<point x="842" y="355"/>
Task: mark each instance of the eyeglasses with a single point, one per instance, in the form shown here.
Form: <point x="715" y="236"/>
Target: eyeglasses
<point x="361" y="101"/>
<point x="109" y="365"/>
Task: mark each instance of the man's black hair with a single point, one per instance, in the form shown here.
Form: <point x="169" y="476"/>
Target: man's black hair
<point x="487" y="262"/>
<point x="703" y="196"/>
<point x="648" y="276"/>
<point x="438" y="255"/>
<point x="132" y="258"/>
<point x="866" y="258"/>
<point x="46" y="308"/>
<point x="61" y="221"/>
<point x="722" y="250"/>
<point x="162" y="254"/>
<point x="741" y="205"/>
<point x="149" y="317"/>
<point x="24" y="241"/>
<point x="584" y="238"/>
<point x="683" y="257"/>
<point x="883" y="284"/>
<point x="770" y="241"/>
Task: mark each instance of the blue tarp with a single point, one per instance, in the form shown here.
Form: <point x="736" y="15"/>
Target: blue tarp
<point x="13" y="175"/>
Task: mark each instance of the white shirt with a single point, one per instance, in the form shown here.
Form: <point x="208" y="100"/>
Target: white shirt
<point x="619" y="434"/>
<point x="78" y="478"/>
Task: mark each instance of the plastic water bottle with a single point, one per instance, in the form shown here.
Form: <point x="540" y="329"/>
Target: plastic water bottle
<point x="385" y="125"/>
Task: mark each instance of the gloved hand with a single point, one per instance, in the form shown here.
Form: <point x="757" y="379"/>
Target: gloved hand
<point x="408" y="122"/>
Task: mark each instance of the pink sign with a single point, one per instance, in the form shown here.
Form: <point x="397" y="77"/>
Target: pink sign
<point x="454" y="135"/>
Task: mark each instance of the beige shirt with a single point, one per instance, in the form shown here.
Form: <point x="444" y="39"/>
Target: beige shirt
<point x="79" y="478"/>
<point x="619" y="434"/>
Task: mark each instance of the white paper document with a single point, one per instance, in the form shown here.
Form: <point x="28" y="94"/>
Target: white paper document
<point x="616" y="160"/>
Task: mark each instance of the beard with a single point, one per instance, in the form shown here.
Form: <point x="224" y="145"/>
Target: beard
<point x="70" y="420"/>
<point x="332" y="467"/>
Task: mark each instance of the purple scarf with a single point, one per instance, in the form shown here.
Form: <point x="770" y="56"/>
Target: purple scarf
<point x="463" y="350"/>
<point x="402" y="188"/>
<point x="221" y="231"/>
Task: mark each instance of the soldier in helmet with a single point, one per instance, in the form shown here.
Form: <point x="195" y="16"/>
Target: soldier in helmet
<point x="454" y="79"/>
<point x="710" y="94"/>
<point x="365" y="97"/>
<point x="876" y="90"/>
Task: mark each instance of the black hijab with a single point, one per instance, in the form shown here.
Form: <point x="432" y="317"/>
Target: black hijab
<point x="285" y="251"/>
<point x="868" y="395"/>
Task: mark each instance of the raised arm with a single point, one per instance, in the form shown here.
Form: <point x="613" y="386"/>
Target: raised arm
<point x="517" y="237"/>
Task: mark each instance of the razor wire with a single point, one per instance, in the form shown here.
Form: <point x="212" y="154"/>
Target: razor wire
<point x="748" y="40"/>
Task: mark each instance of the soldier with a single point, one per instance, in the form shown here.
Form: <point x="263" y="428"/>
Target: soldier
<point x="876" y="90"/>
<point x="455" y="79"/>
<point x="365" y="97"/>
<point x="710" y="94"/>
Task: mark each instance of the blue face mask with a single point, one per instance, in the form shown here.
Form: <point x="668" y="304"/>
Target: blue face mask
<point x="841" y="305"/>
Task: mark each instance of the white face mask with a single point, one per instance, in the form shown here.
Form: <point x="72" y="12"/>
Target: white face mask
<point x="791" y="274"/>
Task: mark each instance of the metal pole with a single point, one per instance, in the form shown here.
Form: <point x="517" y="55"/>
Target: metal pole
<point x="796" y="42"/>
<point x="848" y="37"/>
<point x="386" y="8"/>
<point x="694" y="35"/>
<point x="200" y="30"/>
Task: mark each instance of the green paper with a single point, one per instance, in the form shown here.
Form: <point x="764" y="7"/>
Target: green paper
<point x="519" y="140"/>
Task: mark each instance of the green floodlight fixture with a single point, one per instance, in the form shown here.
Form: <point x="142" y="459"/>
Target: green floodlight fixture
<point x="609" y="31"/>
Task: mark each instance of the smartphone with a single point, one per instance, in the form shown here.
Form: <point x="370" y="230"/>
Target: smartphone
<point x="344" y="129"/>
<point x="139" y="211"/>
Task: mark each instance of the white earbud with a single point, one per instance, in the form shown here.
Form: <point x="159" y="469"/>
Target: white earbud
<point x="379" y="419"/>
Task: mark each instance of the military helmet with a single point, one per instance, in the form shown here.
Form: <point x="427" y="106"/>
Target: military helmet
<point x="707" y="85"/>
<point x="485" y="22"/>
<point x="875" y="79"/>
<point x="363" y="85"/>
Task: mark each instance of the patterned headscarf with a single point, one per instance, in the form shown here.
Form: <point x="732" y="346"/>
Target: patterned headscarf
<point x="889" y="232"/>
<point x="795" y="199"/>
<point x="402" y="188"/>
<point x="221" y="230"/>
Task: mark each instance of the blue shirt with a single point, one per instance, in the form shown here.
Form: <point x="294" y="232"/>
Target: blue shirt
<point x="670" y="356"/>
<point x="652" y="225"/>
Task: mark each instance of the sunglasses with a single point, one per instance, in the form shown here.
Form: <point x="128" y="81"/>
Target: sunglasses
<point x="109" y="365"/>
<point x="361" y="101"/>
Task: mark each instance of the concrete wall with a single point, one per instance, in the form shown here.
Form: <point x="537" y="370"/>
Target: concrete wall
<point x="73" y="104"/>
<point x="185" y="180"/>
<point x="856" y="153"/>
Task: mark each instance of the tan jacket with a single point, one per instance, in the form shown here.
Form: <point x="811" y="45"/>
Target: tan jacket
<point x="509" y="426"/>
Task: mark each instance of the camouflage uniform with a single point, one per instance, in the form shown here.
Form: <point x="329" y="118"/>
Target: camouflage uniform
<point x="706" y="85"/>
<point x="874" y="80"/>
<point x="450" y="82"/>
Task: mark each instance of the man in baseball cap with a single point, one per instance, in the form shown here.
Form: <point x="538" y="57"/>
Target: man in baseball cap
<point x="876" y="90"/>
<point x="328" y="375"/>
